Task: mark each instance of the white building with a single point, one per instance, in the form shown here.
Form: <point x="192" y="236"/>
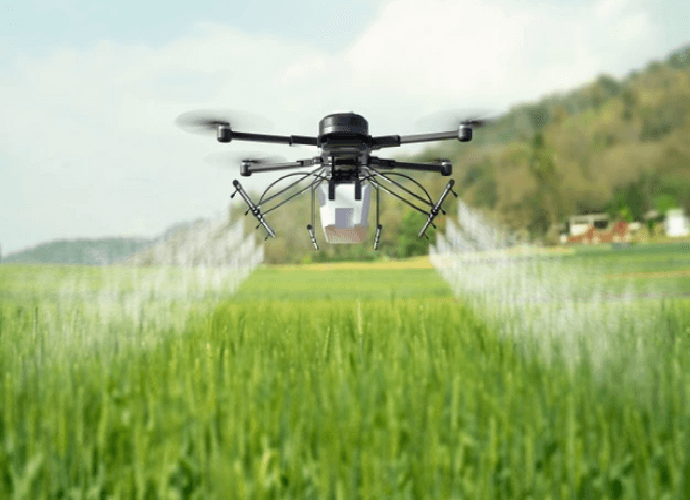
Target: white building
<point x="579" y="224"/>
<point x="676" y="224"/>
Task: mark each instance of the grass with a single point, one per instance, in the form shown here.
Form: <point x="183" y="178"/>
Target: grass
<point x="585" y="274"/>
<point x="342" y="284"/>
<point x="325" y="384"/>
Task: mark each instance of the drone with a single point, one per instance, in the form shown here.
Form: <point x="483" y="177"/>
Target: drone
<point x="342" y="176"/>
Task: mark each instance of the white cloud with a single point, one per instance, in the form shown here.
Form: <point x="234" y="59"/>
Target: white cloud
<point x="493" y="52"/>
<point x="93" y="129"/>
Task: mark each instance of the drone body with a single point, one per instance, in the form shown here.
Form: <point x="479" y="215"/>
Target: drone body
<point x="344" y="174"/>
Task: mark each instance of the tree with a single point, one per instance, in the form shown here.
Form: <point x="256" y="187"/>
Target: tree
<point x="664" y="202"/>
<point x="609" y="85"/>
<point x="486" y="194"/>
<point x="629" y="102"/>
<point x="409" y="243"/>
<point x="538" y="115"/>
<point x="546" y="203"/>
<point x="681" y="58"/>
<point x="628" y="203"/>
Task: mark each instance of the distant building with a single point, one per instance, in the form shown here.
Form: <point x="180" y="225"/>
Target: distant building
<point x="651" y="215"/>
<point x="676" y="224"/>
<point x="580" y="224"/>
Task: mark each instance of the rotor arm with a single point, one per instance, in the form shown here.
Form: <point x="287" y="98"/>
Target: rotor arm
<point x="439" y="136"/>
<point x="226" y="134"/>
<point x="462" y="134"/>
<point x="248" y="168"/>
<point x="444" y="168"/>
<point x="394" y="141"/>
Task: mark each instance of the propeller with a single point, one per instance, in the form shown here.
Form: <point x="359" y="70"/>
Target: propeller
<point x="450" y="119"/>
<point x="206" y="121"/>
<point x="476" y="121"/>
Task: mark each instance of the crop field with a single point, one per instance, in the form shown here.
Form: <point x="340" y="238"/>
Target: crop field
<point x="337" y="383"/>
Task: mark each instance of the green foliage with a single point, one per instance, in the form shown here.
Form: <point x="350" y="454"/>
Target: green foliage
<point x="542" y="163"/>
<point x="539" y="116"/>
<point x="629" y="103"/>
<point x="680" y="59"/>
<point x="608" y="85"/>
<point x="486" y="194"/>
<point x="326" y="390"/>
<point x="628" y="203"/>
<point x="473" y="174"/>
<point x="539" y="221"/>
<point x="409" y="243"/>
<point x="664" y="203"/>
<point x="670" y="114"/>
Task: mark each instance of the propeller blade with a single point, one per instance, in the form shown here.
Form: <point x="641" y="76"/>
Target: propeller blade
<point x="451" y="119"/>
<point x="206" y="121"/>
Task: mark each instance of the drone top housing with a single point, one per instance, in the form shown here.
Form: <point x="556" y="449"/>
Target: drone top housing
<point x="344" y="123"/>
<point x="343" y="134"/>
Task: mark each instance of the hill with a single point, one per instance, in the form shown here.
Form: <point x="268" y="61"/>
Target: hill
<point x="200" y="242"/>
<point x="616" y="146"/>
<point x="93" y="251"/>
<point x="98" y="251"/>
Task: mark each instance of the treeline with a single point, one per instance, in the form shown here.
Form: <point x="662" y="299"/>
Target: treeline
<point x="620" y="146"/>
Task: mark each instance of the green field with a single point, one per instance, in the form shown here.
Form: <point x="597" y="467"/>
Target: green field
<point x="330" y="384"/>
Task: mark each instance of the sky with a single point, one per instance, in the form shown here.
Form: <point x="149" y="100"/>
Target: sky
<point x="89" y="90"/>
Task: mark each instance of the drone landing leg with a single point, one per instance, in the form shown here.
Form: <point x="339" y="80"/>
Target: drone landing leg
<point x="378" y="236"/>
<point x="437" y="208"/>
<point x="255" y="210"/>
<point x="378" y="226"/>
<point x="310" y="227"/>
